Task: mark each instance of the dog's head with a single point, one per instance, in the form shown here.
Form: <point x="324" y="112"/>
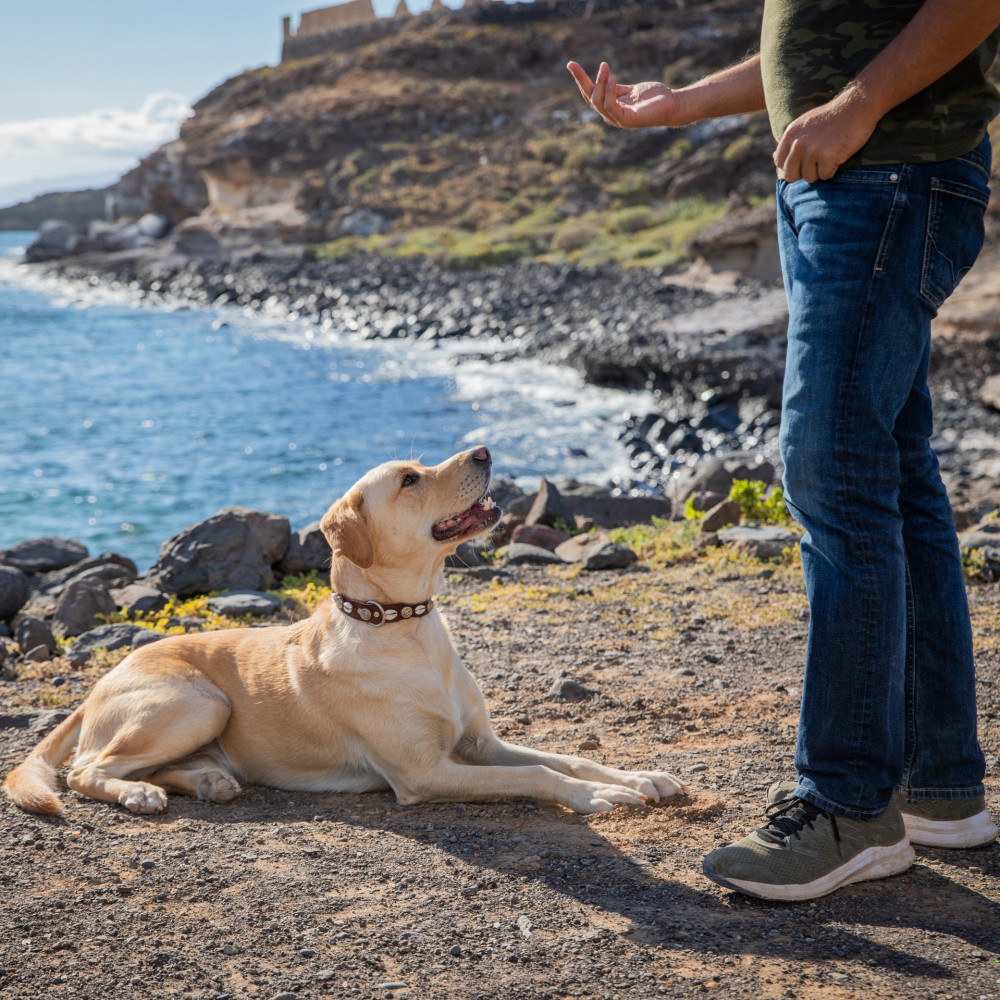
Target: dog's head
<point x="405" y="517"/>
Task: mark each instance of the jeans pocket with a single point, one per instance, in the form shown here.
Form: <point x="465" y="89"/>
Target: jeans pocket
<point x="955" y="233"/>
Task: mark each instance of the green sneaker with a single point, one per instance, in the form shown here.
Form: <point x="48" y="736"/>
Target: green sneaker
<point x="946" y="822"/>
<point x="804" y="852"/>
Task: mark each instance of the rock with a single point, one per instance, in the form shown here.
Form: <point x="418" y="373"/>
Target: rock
<point x="307" y="550"/>
<point x="14" y="589"/>
<point x="146" y="636"/>
<point x="38" y="654"/>
<point x="609" y="509"/>
<point x="721" y="516"/>
<point x="716" y="475"/>
<point x="232" y="550"/>
<point x="41" y="555"/>
<point x="34" y="722"/>
<point x="989" y="392"/>
<point x="137" y="598"/>
<point x="982" y="543"/>
<point x="153" y="225"/>
<point x="55" y="238"/>
<point x="761" y="542"/>
<point x="113" y="569"/>
<point x="567" y="689"/>
<point x="520" y="554"/>
<point x="364" y="222"/>
<point x="33" y="632"/>
<point x="549" y="507"/>
<point x="245" y="602"/>
<point x="596" y="551"/>
<point x="466" y="556"/>
<point x="79" y="605"/>
<point x="109" y="637"/>
<point x="539" y="535"/>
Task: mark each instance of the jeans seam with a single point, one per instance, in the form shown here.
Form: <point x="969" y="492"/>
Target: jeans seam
<point x="868" y="625"/>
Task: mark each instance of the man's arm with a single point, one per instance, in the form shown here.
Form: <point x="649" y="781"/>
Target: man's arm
<point x="941" y="34"/>
<point x="731" y="91"/>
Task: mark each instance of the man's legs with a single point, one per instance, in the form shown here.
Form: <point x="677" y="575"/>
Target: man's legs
<point x="889" y="689"/>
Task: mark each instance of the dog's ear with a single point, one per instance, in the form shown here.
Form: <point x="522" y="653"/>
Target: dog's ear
<point x="346" y="530"/>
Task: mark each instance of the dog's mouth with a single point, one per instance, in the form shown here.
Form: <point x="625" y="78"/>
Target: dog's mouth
<point x="482" y="515"/>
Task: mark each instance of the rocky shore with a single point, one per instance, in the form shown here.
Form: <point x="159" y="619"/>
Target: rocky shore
<point x="708" y="345"/>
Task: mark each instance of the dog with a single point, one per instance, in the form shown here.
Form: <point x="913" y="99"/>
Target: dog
<point x="366" y="694"/>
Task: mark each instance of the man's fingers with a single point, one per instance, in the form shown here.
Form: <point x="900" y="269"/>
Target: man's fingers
<point x="583" y="81"/>
<point x="611" y="97"/>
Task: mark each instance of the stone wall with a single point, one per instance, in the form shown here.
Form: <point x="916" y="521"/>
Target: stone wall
<point x="354" y="23"/>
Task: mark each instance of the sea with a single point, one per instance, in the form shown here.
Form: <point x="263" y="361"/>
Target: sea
<point x="122" y="422"/>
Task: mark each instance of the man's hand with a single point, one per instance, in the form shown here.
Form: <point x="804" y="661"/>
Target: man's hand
<point x="815" y="145"/>
<point x="639" y="105"/>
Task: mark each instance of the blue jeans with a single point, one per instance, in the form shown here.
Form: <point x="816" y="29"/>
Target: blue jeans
<point x="889" y="695"/>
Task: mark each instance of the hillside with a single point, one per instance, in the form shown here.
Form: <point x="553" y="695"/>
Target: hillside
<point x="468" y="142"/>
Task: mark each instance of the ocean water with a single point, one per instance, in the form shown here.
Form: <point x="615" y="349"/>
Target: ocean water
<point x="123" y="423"/>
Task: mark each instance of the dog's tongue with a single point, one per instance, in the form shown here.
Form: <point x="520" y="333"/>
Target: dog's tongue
<point x="479" y="514"/>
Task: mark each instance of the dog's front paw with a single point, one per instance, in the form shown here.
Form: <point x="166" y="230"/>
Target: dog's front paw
<point x="144" y="798"/>
<point x="591" y="797"/>
<point x="656" y="785"/>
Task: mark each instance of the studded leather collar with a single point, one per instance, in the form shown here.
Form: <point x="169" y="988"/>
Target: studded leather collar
<point x="376" y="614"/>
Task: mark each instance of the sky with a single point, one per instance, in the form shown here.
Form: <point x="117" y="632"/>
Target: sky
<point x="88" y="87"/>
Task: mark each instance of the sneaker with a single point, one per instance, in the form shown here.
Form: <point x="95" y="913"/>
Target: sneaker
<point x="804" y="852"/>
<point x="946" y="822"/>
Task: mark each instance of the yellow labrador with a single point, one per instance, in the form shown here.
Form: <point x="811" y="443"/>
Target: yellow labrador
<point x="368" y="693"/>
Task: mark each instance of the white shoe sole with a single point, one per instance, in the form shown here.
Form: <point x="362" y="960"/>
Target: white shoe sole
<point x="873" y="862"/>
<point x="976" y="831"/>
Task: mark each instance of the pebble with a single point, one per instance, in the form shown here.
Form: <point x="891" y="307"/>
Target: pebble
<point x="306" y="952"/>
<point x="695" y="768"/>
<point x="393" y="986"/>
<point x="455" y="950"/>
<point x="326" y="975"/>
<point x="285" y="996"/>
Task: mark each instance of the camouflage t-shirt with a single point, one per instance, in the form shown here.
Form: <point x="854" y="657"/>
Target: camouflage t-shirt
<point x="811" y="50"/>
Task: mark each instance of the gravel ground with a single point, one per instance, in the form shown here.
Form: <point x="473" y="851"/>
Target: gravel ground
<point x="696" y="668"/>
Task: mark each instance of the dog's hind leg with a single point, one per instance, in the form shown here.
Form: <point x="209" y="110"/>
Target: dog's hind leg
<point x="129" y="735"/>
<point x="206" y="775"/>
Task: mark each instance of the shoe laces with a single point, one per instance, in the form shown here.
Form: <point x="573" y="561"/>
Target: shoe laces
<point x="788" y="817"/>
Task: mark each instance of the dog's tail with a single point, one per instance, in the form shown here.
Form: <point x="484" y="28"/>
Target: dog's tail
<point x="32" y="784"/>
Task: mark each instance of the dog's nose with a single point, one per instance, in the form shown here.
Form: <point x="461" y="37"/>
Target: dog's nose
<point x="481" y="454"/>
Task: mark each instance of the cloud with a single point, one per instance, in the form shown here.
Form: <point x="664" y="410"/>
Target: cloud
<point x="104" y="133"/>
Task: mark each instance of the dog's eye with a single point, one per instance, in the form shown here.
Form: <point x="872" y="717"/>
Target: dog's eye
<point x="409" y="479"/>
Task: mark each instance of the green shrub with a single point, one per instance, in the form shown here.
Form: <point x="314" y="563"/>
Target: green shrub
<point x="758" y="503"/>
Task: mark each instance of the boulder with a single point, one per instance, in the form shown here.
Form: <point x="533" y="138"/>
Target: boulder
<point x="137" y="598"/>
<point x="108" y="637"/>
<point x="549" y="507"/>
<point x="611" y="509"/>
<point x="232" y="550"/>
<point x="596" y="551"/>
<point x="55" y="239"/>
<point x="32" y="633"/>
<point x="153" y="225"/>
<point x="761" y="542"/>
<point x="983" y="542"/>
<point x="467" y="554"/>
<point x="146" y="636"/>
<point x="717" y="474"/>
<point x="14" y="590"/>
<point x="540" y="535"/>
<point x="79" y="605"/>
<point x="519" y="554"/>
<point x="307" y="549"/>
<point x="41" y="555"/>
<point x="245" y="602"/>
<point x="989" y="392"/>
<point x="567" y="689"/>
<point x="364" y="222"/>
<point x="113" y="569"/>
<point x="722" y="515"/>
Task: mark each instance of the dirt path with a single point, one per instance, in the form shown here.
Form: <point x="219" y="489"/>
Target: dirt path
<point x="696" y="668"/>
